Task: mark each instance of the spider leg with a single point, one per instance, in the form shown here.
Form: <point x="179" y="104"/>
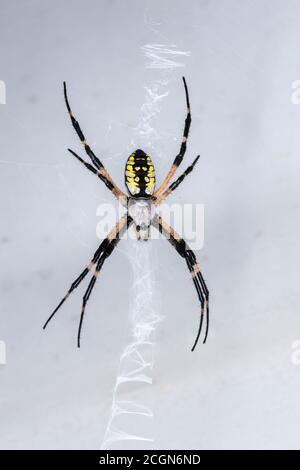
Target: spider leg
<point x="176" y="183"/>
<point x="183" y="249"/>
<point x="102" y="248"/>
<point x="95" y="160"/>
<point x="199" y="284"/>
<point x="108" y="183"/>
<point x="178" y="159"/>
<point x="89" y="291"/>
<point x="113" y="238"/>
<point x="79" y="279"/>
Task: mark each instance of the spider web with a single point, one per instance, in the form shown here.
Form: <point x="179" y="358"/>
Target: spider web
<point x="130" y="424"/>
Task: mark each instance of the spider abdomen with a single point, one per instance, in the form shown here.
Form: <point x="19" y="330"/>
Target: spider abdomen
<point x="140" y="174"/>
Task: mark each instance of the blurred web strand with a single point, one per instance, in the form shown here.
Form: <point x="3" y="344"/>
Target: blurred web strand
<point x="162" y="56"/>
<point x="131" y="413"/>
<point x="148" y="111"/>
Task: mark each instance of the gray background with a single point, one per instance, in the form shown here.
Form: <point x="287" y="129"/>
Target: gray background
<point x="241" y="390"/>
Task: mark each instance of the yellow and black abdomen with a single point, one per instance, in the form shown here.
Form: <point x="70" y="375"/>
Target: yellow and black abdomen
<point x="140" y="174"/>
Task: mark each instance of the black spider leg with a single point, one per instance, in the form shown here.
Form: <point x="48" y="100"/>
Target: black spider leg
<point x="187" y="124"/>
<point x="179" y="180"/>
<point x="106" y="253"/>
<point x="88" y="293"/>
<point x="95" y="160"/>
<point x="79" y="278"/>
<point x="183" y="249"/>
<point x="201" y="299"/>
<point x="191" y="255"/>
<point x="102" y="247"/>
<point x="179" y="157"/>
<point x="176" y="183"/>
<point x="93" y="170"/>
<point x="98" y="164"/>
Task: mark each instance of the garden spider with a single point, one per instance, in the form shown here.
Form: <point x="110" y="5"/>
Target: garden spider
<point x="140" y="182"/>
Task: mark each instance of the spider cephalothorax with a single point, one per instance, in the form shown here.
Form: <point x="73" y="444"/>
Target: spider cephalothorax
<point x="140" y="174"/>
<point x="140" y="182"/>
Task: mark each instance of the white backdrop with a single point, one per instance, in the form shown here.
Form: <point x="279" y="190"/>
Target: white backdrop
<point x="240" y="390"/>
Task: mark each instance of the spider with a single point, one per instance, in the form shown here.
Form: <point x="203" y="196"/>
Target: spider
<point x="140" y="182"/>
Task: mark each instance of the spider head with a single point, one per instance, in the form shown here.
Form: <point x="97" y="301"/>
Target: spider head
<point x="140" y="174"/>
